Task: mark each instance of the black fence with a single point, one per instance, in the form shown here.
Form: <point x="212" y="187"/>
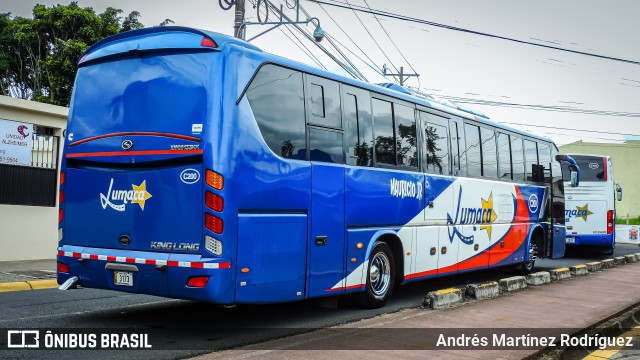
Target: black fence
<point x="36" y="184"/>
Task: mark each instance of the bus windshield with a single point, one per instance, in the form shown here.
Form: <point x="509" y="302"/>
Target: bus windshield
<point x="592" y="168"/>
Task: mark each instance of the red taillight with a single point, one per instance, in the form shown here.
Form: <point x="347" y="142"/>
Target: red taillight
<point x="214" y="202"/>
<point x="63" y="268"/>
<point x="610" y="222"/>
<point x="208" y="43"/>
<point x="61" y="178"/>
<point x="61" y="197"/>
<point x="60" y="215"/>
<point x="213" y="223"/>
<point x="198" y="281"/>
<point x="214" y="179"/>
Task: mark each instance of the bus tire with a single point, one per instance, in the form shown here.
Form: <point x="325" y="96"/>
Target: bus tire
<point x="611" y="249"/>
<point x="526" y="267"/>
<point x="380" y="277"/>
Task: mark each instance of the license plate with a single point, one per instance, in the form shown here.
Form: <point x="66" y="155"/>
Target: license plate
<point x="123" y="278"/>
<point x="571" y="240"/>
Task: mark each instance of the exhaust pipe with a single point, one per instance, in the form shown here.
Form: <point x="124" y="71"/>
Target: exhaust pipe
<point x="71" y="283"/>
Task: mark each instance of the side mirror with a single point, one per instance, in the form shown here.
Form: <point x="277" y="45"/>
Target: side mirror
<point x="575" y="180"/>
<point x="619" y="192"/>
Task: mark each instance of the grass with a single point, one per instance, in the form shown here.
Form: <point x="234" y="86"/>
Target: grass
<point x="632" y="221"/>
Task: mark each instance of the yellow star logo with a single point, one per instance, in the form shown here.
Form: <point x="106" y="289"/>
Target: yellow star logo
<point x="583" y="212"/>
<point x="488" y="215"/>
<point x="140" y="194"/>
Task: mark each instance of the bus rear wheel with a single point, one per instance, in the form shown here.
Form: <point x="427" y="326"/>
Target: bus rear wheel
<point x="526" y="267"/>
<point x="380" y="277"/>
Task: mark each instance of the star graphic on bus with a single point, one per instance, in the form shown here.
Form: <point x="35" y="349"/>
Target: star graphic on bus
<point x="583" y="212"/>
<point x="140" y="194"/>
<point x="488" y="215"/>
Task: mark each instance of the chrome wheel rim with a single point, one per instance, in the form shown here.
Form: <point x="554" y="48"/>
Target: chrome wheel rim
<point x="533" y="253"/>
<point x="380" y="274"/>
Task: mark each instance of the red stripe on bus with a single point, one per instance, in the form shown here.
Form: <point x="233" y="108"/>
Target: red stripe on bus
<point x="139" y="152"/>
<point x="197" y="265"/>
<point x="172" y="263"/>
<point x="150" y="133"/>
<point x="224" y="265"/>
<point x="60" y="253"/>
<point x="111" y="258"/>
<point x="93" y="257"/>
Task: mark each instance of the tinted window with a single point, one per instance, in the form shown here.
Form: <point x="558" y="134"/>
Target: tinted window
<point x="324" y="102"/>
<point x="436" y="149"/>
<point x="325" y="145"/>
<point x="489" y="161"/>
<point x="406" y="135"/>
<point x="472" y="136"/>
<point x="383" y="124"/>
<point x="592" y="168"/>
<point x="356" y="107"/>
<point x="517" y="158"/>
<point x="531" y="157"/>
<point x="316" y="100"/>
<point x="455" y="149"/>
<point x="276" y="98"/>
<point x="504" y="157"/>
<point x="544" y="156"/>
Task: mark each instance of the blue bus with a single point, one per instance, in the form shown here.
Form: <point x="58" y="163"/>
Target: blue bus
<point x="197" y="166"/>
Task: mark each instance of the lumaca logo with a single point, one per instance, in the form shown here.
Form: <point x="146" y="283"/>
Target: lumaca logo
<point x="580" y="212"/>
<point x="138" y="195"/>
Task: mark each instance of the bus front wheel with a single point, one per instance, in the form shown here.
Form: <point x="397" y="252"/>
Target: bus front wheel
<point x="380" y="277"/>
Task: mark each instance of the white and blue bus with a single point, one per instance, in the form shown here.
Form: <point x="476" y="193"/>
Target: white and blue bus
<point x="591" y="207"/>
<point x="199" y="167"/>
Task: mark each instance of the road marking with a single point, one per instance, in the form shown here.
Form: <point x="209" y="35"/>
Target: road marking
<point x="608" y="353"/>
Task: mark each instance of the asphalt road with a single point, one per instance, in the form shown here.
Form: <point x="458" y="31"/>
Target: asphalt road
<point x="215" y="327"/>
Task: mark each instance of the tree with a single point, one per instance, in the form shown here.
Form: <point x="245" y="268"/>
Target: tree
<point x="39" y="56"/>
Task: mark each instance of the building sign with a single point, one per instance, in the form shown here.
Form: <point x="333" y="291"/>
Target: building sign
<point x="16" y="141"/>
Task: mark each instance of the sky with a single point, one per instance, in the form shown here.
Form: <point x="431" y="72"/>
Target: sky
<point x="460" y="64"/>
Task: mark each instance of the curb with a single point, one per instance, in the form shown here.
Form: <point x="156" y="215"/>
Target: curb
<point x="452" y="297"/>
<point x="29" y="285"/>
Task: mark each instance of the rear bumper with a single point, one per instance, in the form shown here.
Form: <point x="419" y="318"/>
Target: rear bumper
<point x="603" y="240"/>
<point x="162" y="274"/>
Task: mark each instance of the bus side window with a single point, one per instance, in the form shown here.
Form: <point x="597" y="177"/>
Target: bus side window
<point x="323" y="101"/>
<point x="544" y="154"/>
<point x="325" y="145"/>
<point x="356" y="107"/>
<point x="436" y="144"/>
<point x="474" y="164"/>
<point x="517" y="158"/>
<point x="283" y="125"/>
<point x="504" y="157"/>
<point x="489" y="160"/>
<point x="383" y="125"/>
<point x="531" y="158"/>
<point x="406" y="135"/>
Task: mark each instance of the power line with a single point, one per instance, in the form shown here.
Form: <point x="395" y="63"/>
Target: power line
<point x="393" y="43"/>
<point x="352" y="41"/>
<point x="561" y="128"/>
<point x="371" y="36"/>
<point x="469" y="31"/>
<point x="541" y="107"/>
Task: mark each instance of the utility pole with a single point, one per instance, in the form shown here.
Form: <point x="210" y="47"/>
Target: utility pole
<point x="402" y="77"/>
<point x="238" y="29"/>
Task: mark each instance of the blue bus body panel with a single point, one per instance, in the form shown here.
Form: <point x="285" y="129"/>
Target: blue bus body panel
<point x="598" y="240"/>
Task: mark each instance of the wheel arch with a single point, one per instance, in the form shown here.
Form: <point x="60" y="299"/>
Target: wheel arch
<point x="392" y="239"/>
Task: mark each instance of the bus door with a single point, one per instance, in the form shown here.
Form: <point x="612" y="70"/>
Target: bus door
<point x="557" y="211"/>
<point x="326" y="246"/>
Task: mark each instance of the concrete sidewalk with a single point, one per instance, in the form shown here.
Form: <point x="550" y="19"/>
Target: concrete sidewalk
<point x="575" y="303"/>
<point x="27" y="275"/>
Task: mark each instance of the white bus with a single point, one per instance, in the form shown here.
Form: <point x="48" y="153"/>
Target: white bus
<point x="590" y="208"/>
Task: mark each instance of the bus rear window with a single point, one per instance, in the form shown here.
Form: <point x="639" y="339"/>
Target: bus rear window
<point x="592" y="168"/>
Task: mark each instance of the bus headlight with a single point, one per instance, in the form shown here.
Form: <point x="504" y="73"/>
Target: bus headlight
<point x="213" y="245"/>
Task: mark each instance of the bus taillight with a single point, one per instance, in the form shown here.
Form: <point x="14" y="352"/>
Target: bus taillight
<point x="213" y="223"/>
<point x="198" y="281"/>
<point x="609" y="222"/>
<point x="214" y="202"/>
<point x="214" y="180"/>
<point x="63" y="268"/>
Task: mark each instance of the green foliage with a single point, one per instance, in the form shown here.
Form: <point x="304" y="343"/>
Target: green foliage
<point x="632" y="221"/>
<point x="39" y="56"/>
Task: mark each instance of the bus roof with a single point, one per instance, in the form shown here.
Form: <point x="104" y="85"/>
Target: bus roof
<point x="222" y="40"/>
